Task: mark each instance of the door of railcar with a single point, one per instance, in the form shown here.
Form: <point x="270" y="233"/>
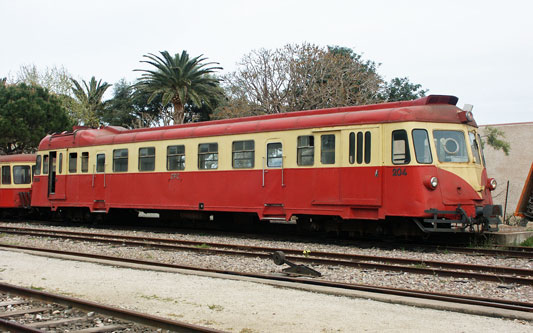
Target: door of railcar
<point x="99" y="182"/>
<point x="273" y="178"/>
<point x="56" y="178"/>
<point x="361" y="180"/>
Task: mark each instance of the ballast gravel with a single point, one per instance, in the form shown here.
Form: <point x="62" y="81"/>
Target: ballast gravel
<point x="234" y="306"/>
<point x="433" y="283"/>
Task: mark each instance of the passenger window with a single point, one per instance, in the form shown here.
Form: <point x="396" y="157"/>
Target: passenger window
<point x="21" y="174"/>
<point x="85" y="162"/>
<point x="60" y="168"/>
<point x="45" y="165"/>
<point x="6" y="175"/>
<point x="327" y="155"/>
<point x="359" y="147"/>
<point x="243" y="154"/>
<point x="475" y="147"/>
<point x="351" y="149"/>
<point x="100" y="163"/>
<point x="368" y="146"/>
<point x="400" y="147"/>
<point x="72" y="162"/>
<point x="38" y="165"/>
<point x="306" y="150"/>
<point x="120" y="160"/>
<point x="208" y="156"/>
<point x="422" y="148"/>
<point x="147" y="159"/>
<point x="274" y="155"/>
<point x="176" y="157"/>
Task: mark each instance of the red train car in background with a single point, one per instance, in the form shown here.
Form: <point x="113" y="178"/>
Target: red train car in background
<point x="369" y="168"/>
<point x="15" y="185"/>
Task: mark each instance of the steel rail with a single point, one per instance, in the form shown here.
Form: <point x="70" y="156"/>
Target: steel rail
<point x="129" y="315"/>
<point x="351" y="260"/>
<point x="462" y="299"/>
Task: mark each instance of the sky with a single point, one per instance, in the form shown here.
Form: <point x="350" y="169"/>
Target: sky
<point x="479" y="51"/>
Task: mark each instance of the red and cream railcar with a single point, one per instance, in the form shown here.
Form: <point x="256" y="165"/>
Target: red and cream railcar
<point x="417" y="160"/>
<point x="15" y="187"/>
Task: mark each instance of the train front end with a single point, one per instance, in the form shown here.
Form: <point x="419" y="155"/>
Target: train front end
<point x="459" y="180"/>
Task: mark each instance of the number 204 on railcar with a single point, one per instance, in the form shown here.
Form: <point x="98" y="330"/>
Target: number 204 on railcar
<point x="385" y="167"/>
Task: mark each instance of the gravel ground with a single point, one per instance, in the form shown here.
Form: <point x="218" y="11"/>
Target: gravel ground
<point x="433" y="283"/>
<point x="234" y="306"/>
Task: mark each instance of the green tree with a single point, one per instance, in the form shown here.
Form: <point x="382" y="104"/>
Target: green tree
<point x="90" y="97"/>
<point x="178" y="80"/>
<point x="495" y="138"/>
<point x="400" y="89"/>
<point x="27" y="114"/>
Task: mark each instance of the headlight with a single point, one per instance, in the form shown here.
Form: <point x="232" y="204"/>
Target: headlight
<point x="434" y="182"/>
<point x="492" y="184"/>
<point x="431" y="183"/>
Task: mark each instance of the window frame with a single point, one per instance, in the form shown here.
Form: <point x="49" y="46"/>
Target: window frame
<point x="148" y="157"/>
<point x="120" y="159"/>
<point x="100" y="168"/>
<point x="324" y="153"/>
<point x="415" y="145"/>
<point x="6" y="175"/>
<point x="38" y="165"/>
<point x="407" y="153"/>
<point x="46" y="164"/>
<point x="70" y="164"/>
<point x="84" y="162"/>
<point x="203" y="157"/>
<point x="181" y="157"/>
<point x="27" y="175"/>
<point x="300" y="148"/>
<point x="244" y="151"/>
<point x="271" y="159"/>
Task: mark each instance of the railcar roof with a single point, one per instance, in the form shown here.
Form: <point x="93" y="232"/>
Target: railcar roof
<point x="17" y="158"/>
<point x="433" y="108"/>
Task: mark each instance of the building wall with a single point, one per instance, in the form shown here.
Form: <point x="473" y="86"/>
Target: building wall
<point x="513" y="168"/>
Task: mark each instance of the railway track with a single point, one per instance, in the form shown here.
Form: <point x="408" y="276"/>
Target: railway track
<point x="440" y="268"/>
<point x="28" y="310"/>
<point x="516" y="307"/>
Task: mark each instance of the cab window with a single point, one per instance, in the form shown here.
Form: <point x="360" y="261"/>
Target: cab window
<point x="475" y="147"/>
<point x="400" y="147"/>
<point x="422" y="149"/>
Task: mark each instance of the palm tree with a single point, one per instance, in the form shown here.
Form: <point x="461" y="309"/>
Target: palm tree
<point x="180" y="80"/>
<point x="90" y="99"/>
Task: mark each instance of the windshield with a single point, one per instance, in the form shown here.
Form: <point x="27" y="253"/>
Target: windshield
<point x="451" y="146"/>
